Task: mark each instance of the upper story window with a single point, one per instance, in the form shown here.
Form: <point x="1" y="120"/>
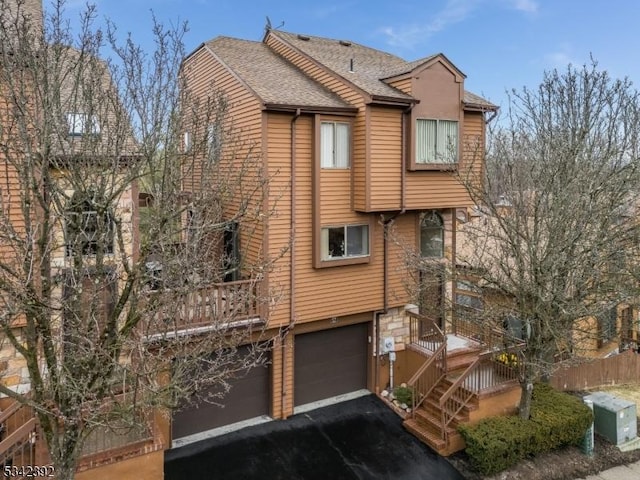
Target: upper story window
<point x="431" y="235"/>
<point x="82" y="124"/>
<point x="345" y="241"/>
<point x="87" y="229"/>
<point x="334" y="145"/>
<point x="436" y="141"/>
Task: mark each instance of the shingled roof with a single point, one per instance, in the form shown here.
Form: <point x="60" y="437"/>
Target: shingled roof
<point x="272" y="79"/>
<point x="277" y="82"/>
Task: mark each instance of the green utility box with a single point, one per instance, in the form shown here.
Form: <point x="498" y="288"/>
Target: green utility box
<point x="614" y="418"/>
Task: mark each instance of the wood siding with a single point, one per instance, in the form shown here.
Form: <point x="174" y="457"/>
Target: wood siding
<point x="385" y="159"/>
<point x="404" y="85"/>
<point x="320" y="293"/>
<point x="437" y="189"/>
<point x="349" y="94"/>
<point x="241" y="158"/>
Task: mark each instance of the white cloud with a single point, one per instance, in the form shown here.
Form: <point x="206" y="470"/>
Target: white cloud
<point x="528" y="6"/>
<point x="453" y="12"/>
<point x="560" y="58"/>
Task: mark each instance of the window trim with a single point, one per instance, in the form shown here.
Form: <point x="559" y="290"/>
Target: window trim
<point x="414" y="165"/>
<point x="321" y="262"/>
<point x="421" y="218"/>
<point x="334" y="121"/>
<point x="81" y="209"/>
<point x="80" y="124"/>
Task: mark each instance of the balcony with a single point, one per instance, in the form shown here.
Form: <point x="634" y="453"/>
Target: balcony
<point x="214" y="307"/>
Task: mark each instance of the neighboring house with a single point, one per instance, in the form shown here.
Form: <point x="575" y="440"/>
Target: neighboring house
<point x="65" y="129"/>
<point x="363" y="152"/>
<point x="613" y="330"/>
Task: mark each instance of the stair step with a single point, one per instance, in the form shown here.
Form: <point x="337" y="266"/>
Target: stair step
<point x="433" y="420"/>
<point x="434" y="413"/>
<point x="429" y="437"/>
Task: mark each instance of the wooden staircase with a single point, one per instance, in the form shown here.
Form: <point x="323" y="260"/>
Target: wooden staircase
<point x="426" y="423"/>
<point x="448" y="385"/>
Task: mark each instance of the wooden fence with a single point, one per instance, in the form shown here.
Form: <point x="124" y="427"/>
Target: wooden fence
<point x="617" y="370"/>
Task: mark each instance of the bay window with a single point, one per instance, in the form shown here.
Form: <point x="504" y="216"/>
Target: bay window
<point x="436" y="141"/>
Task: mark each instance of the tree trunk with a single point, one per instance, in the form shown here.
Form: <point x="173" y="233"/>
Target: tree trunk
<point x="525" y="398"/>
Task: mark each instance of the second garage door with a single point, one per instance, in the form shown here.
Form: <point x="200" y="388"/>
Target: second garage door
<point x="330" y="362"/>
<point x="248" y="398"/>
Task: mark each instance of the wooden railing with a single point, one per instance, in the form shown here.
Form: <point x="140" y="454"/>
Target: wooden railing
<point x="484" y="374"/>
<point x="424" y="331"/>
<point x="215" y="304"/>
<point x="22" y="444"/>
<point x="494" y="338"/>
<point x="432" y="371"/>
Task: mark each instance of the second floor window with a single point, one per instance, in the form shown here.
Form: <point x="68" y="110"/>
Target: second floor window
<point x="82" y="124"/>
<point x="344" y="241"/>
<point x="436" y="141"/>
<point x="431" y="235"/>
<point x="88" y="230"/>
<point x="334" y="145"/>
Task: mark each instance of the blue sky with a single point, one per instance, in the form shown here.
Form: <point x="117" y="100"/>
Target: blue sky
<point x="498" y="44"/>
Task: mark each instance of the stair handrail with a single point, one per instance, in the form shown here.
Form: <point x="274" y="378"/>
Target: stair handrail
<point x="448" y="417"/>
<point x="418" y="397"/>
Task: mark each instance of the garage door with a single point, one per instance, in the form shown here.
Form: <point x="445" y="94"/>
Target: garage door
<point x="330" y="362"/>
<point x="248" y="398"/>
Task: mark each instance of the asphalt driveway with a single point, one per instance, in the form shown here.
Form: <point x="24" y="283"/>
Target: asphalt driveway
<point x="358" y="439"/>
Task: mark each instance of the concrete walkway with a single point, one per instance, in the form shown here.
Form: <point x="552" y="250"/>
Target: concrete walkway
<point x="624" y="472"/>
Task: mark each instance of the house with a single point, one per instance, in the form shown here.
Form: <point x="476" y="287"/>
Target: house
<point x="364" y="153"/>
<point x="69" y="222"/>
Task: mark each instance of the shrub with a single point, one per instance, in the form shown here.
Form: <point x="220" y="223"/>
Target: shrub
<point x="557" y="419"/>
<point x="404" y="395"/>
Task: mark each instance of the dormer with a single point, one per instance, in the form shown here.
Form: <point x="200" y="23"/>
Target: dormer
<point x="436" y="122"/>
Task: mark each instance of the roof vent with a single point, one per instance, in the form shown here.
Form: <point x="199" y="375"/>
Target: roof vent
<point x="306" y="38"/>
<point x="345" y="43"/>
<point x="351" y="66"/>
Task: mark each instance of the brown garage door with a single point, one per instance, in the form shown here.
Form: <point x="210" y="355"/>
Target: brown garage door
<point x="330" y="362"/>
<point x="248" y="398"/>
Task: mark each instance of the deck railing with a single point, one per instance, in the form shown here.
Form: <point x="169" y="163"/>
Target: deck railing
<point x="22" y="444"/>
<point x="424" y="331"/>
<point x="487" y="372"/>
<point x="432" y="371"/>
<point x="492" y="337"/>
<point x="215" y="304"/>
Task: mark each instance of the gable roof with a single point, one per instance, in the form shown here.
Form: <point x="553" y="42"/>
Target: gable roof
<point x="369" y="64"/>
<point x="274" y="80"/>
<point x="279" y="84"/>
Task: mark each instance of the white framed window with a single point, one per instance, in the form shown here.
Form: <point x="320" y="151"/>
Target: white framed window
<point x="187" y="142"/>
<point x="334" y="145"/>
<point x="82" y="124"/>
<point x="436" y="141"/>
<point x="344" y="241"/>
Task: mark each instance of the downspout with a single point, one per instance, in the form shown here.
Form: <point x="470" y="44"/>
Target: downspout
<point x="386" y="223"/>
<point x="292" y="251"/>
<point x="403" y="153"/>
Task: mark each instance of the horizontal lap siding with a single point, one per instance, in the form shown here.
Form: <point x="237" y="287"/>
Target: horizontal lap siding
<point x="402" y="85"/>
<point x="444" y="189"/>
<point x="350" y="95"/>
<point x="279" y="167"/>
<point x="403" y="239"/>
<point x="385" y="158"/>
<point x="244" y="119"/>
<point x="325" y="292"/>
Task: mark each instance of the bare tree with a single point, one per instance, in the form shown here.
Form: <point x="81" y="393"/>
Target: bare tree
<point x="111" y="306"/>
<point x="554" y="237"/>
